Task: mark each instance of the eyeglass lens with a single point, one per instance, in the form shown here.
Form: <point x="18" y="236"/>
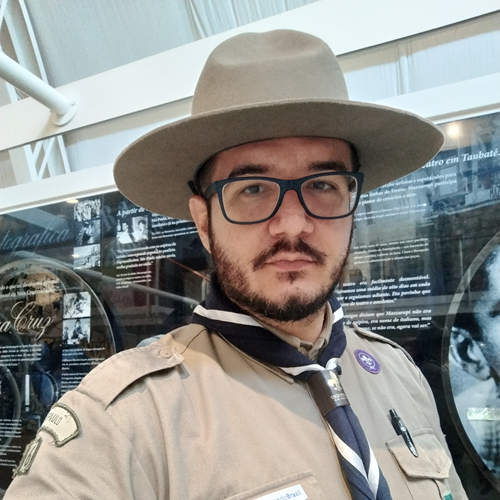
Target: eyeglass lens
<point x="249" y="200"/>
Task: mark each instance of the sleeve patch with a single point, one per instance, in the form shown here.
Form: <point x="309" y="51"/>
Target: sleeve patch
<point x="61" y="423"/>
<point x="28" y="456"/>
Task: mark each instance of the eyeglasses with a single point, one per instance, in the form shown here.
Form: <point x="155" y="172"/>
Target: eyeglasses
<point x="250" y="200"/>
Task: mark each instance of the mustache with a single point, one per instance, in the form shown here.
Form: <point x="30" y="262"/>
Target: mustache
<point x="299" y="246"/>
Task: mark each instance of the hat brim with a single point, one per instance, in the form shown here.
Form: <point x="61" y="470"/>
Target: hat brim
<point x="153" y="171"/>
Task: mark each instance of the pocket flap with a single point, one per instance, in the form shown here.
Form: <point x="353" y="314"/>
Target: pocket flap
<point x="302" y="486"/>
<point x="432" y="461"/>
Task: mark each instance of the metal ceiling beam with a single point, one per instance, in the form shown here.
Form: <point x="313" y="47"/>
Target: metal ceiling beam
<point x="63" y="109"/>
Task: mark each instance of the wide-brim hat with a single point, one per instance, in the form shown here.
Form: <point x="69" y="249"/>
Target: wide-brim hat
<point x="258" y="86"/>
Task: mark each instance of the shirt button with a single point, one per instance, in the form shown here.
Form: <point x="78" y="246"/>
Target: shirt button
<point x="166" y="353"/>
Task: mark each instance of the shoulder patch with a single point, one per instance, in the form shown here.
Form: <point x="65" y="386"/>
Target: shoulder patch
<point x="375" y="336"/>
<point x="28" y="456"/>
<point x="61" y="423"/>
<point x="109" y="379"/>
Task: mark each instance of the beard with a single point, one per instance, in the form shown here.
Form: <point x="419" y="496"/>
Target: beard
<point x="293" y="307"/>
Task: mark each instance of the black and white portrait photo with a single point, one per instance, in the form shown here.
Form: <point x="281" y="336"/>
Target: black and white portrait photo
<point x="87" y="257"/>
<point x="140" y="229"/>
<point x="88" y="232"/>
<point x="124" y="232"/>
<point x="76" y="331"/>
<point x="88" y="209"/>
<point x="76" y="305"/>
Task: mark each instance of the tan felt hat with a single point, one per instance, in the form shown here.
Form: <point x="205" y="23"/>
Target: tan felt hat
<point x="258" y="86"/>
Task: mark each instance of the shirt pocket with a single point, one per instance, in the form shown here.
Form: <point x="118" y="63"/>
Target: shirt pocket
<point x="302" y="486"/>
<point x="428" y="473"/>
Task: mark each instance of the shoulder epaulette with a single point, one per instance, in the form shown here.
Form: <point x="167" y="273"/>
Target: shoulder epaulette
<point x="109" y="379"/>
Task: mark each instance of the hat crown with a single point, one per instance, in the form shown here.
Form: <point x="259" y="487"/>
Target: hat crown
<point x="277" y="66"/>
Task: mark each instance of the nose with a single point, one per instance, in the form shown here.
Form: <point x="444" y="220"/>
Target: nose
<point x="291" y="219"/>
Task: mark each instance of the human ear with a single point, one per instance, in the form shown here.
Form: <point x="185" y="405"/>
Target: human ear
<point x="199" y="213"/>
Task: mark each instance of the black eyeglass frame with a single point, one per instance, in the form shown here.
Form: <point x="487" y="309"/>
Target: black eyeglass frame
<point x="285" y="185"/>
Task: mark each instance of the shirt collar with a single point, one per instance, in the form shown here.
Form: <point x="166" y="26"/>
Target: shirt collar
<point x="309" y="349"/>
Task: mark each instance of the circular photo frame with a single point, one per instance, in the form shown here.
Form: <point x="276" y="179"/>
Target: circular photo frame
<point x="53" y="331"/>
<point x="471" y="351"/>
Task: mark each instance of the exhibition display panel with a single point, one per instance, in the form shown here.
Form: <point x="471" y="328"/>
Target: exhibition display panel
<point x="424" y="271"/>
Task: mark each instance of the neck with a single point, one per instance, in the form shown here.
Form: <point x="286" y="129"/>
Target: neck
<point x="308" y="329"/>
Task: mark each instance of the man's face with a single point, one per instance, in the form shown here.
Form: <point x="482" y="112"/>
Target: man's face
<point x="285" y="268"/>
<point x="487" y="312"/>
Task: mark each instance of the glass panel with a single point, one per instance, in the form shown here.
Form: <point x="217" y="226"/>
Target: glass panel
<point x="79" y="282"/>
<point x="424" y="271"/>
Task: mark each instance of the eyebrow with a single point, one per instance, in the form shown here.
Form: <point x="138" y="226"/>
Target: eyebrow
<point x="321" y="166"/>
<point x="317" y="166"/>
<point x="251" y="168"/>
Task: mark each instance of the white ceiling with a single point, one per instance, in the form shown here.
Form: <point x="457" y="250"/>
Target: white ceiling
<point x="82" y="38"/>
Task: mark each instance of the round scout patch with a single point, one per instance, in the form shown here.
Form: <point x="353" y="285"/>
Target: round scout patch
<point x="367" y="361"/>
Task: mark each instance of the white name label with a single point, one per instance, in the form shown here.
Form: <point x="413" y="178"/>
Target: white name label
<point x="291" y="493"/>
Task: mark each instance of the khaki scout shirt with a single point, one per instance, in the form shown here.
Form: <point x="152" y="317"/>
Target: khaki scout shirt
<point x="191" y="417"/>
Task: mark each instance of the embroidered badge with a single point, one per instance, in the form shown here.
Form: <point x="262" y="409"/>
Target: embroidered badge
<point x="28" y="456"/>
<point x="61" y="423"/>
<point x="367" y="361"/>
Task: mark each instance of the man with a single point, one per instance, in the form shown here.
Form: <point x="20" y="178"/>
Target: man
<point x="141" y="232"/>
<point x="475" y="361"/>
<point x="247" y="402"/>
<point x="123" y="235"/>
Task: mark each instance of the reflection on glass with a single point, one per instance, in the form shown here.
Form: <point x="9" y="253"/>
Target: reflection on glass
<point x="475" y="361"/>
<point x="53" y="331"/>
<point x="79" y="282"/>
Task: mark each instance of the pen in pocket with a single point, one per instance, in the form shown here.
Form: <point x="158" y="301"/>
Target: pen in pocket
<point x="402" y="430"/>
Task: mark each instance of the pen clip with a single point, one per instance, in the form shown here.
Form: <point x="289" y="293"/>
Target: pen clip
<point x="402" y="430"/>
